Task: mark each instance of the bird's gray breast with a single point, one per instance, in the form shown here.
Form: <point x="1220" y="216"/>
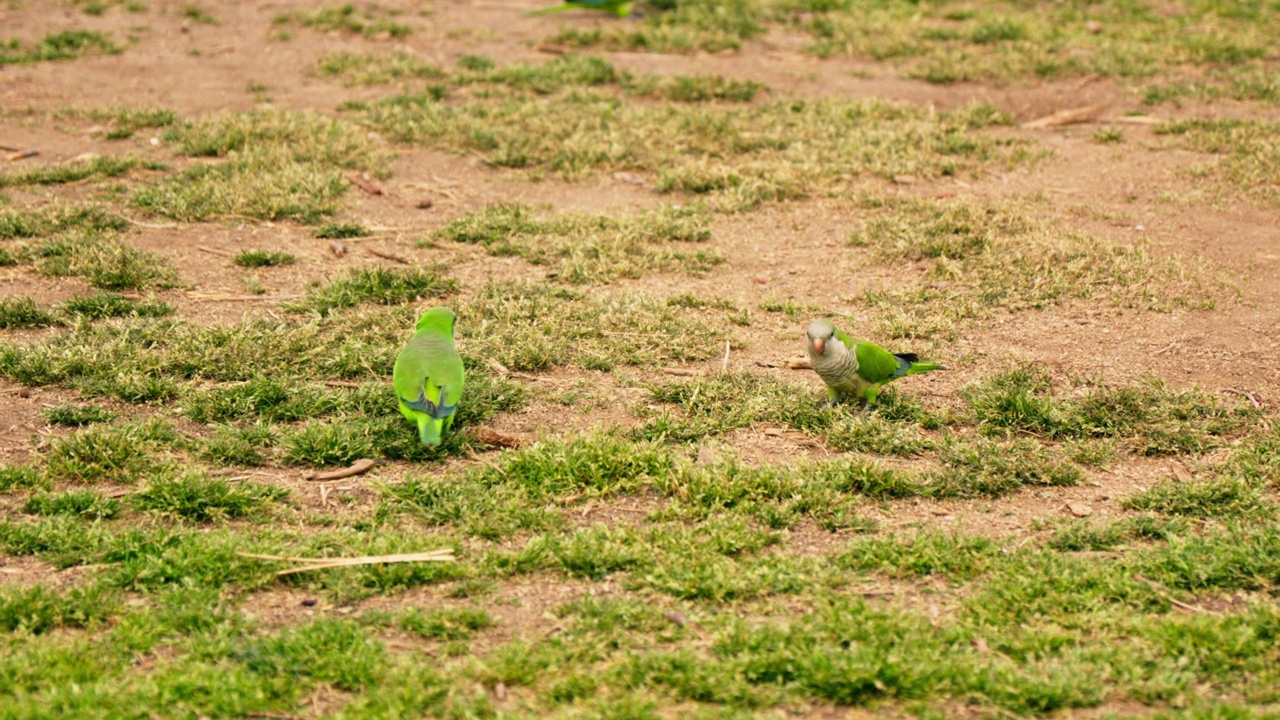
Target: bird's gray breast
<point x="836" y="365"/>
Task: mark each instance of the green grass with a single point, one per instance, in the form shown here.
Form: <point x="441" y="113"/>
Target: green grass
<point x="345" y="19"/>
<point x="725" y="545"/>
<point x="678" y="27"/>
<point x="339" y="231"/>
<point x="982" y="258"/>
<point x="19" y="477"/>
<point x="80" y="503"/>
<point x="383" y="286"/>
<point x="112" y="305"/>
<point x="1202" y="50"/>
<point x="77" y="415"/>
<point x="22" y="313"/>
<point x="446" y="623"/>
<point x="276" y="165"/>
<point x="567" y="71"/>
<point x="263" y="258"/>
<point x="39" y="609"/>
<point x="106" y="262"/>
<point x="106" y="166"/>
<point x="1249" y="161"/>
<point x="65" y="45"/>
<point x="583" y="249"/>
<point x="772" y="151"/>
<point x="197" y="497"/>
<point x="56" y="219"/>
<point x="1148" y="418"/>
<point x="109" y="453"/>
<point x="197" y="15"/>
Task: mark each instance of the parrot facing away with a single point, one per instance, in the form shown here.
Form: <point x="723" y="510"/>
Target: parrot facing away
<point x="858" y="368"/>
<point x="428" y="376"/>
<point x="621" y="9"/>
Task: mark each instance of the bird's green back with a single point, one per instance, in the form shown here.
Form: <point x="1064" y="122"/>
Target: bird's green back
<point x="875" y="364"/>
<point x="429" y="360"/>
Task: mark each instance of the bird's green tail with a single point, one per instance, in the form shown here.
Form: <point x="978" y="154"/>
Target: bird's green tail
<point x="917" y="368"/>
<point x="429" y="430"/>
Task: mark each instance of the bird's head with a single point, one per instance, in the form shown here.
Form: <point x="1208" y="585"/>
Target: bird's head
<point x="820" y="333"/>
<point x="438" y="319"/>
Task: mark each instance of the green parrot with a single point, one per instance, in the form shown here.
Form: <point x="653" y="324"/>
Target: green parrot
<point x="428" y="376"/>
<point x="857" y="367"/>
<point x="621" y="9"/>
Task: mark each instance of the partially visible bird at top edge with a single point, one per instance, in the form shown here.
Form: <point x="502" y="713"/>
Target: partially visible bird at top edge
<point x="621" y="9"/>
<point x="857" y="368"/>
<point x="428" y="376"/>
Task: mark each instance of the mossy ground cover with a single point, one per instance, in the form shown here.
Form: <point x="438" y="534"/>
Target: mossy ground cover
<point x="677" y="534"/>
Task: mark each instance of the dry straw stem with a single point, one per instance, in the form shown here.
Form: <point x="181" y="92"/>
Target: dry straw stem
<point x="445" y="555"/>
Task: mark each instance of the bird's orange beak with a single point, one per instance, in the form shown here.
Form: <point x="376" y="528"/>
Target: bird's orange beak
<point x="819" y="345"/>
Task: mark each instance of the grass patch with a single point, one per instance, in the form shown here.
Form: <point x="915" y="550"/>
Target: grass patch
<point x="263" y="258"/>
<point x="1148" y="418"/>
<point x="105" y="262"/>
<point x="532" y="327"/>
<point x="110" y="453"/>
<point x="77" y="415"/>
<point x="39" y="609"/>
<point x="1037" y="41"/>
<point x="22" y="313"/>
<point x="345" y="19"/>
<point x="564" y="72"/>
<point x="339" y="231"/>
<point x="113" y="305"/>
<point x="107" y="166"/>
<point x="275" y="165"/>
<point x="446" y="623"/>
<point x="58" y="219"/>
<point x="773" y="151"/>
<point x="79" y="503"/>
<point x="980" y="258"/>
<point x="198" y="497"/>
<point x="19" y="477"/>
<point x="383" y="286"/>
<point x="682" y="27"/>
<point x="1250" y="160"/>
<point x="65" y="45"/>
<point x="1215" y="497"/>
<point x="590" y="248"/>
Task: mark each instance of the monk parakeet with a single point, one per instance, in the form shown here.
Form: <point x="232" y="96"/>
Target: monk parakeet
<point x="621" y="9"/>
<point x="428" y="376"/>
<point x="857" y="367"/>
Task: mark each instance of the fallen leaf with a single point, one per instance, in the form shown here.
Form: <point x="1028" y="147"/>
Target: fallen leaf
<point x="364" y="185"/>
<point x="395" y="257"/>
<point x="1079" y="509"/>
<point x="1067" y="117"/>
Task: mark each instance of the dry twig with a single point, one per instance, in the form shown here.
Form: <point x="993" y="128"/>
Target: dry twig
<point x="358" y="467"/>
